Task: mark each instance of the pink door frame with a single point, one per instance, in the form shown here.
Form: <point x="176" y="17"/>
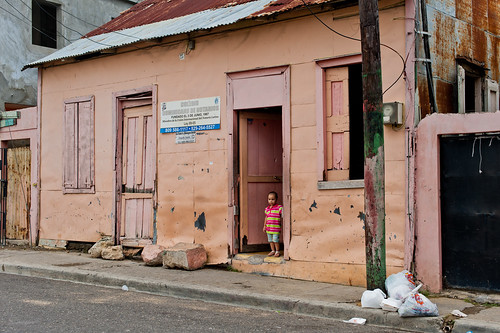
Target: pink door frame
<point x="117" y="167"/>
<point x="428" y="259"/>
<point x="272" y="98"/>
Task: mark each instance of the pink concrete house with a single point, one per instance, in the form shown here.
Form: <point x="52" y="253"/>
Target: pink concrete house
<point x="172" y="122"/>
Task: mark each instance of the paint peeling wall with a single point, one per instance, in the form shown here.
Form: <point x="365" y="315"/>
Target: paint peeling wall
<point x="327" y="236"/>
<point x="459" y="29"/>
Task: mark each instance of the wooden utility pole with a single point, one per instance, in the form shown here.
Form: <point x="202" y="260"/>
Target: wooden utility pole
<point x="374" y="145"/>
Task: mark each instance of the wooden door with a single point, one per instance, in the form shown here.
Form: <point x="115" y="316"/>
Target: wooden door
<point x="138" y="172"/>
<point x="261" y="170"/>
<point x="18" y="193"/>
<point x="337" y="123"/>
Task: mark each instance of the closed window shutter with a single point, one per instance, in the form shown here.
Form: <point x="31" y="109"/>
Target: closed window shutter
<point x="85" y="145"/>
<point x="491" y="96"/>
<point x="337" y="123"/>
<point x="70" y="146"/>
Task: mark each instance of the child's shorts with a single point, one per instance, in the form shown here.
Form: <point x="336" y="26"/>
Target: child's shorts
<point x="274" y="238"/>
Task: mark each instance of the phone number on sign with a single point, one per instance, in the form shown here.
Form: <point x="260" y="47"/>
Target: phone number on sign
<point x="190" y="128"/>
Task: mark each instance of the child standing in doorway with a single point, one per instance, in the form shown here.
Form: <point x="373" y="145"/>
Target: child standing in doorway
<point x="272" y="223"/>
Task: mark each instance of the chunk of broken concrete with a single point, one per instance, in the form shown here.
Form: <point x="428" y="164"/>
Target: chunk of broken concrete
<point x="186" y="256"/>
<point x="113" y="253"/>
<point x="96" y="249"/>
<point x="152" y="255"/>
<point x="131" y="252"/>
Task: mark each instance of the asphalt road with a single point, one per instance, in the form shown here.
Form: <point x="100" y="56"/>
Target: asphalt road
<point x="39" y="305"/>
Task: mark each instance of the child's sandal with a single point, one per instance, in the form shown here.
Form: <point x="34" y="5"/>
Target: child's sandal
<point x="270" y="254"/>
<point x="277" y="254"/>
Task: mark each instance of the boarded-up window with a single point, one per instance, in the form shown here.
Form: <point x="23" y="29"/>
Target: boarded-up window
<point x="78" y="145"/>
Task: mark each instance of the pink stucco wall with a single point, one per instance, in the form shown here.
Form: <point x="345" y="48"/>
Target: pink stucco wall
<point x="194" y="178"/>
<point x="428" y="261"/>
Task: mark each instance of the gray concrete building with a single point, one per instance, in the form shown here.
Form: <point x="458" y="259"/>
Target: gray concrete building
<point x="32" y="29"/>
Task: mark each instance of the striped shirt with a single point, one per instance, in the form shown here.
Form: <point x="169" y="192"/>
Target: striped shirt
<point x="273" y="219"/>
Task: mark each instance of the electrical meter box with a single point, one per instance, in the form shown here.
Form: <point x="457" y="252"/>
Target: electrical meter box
<point x="393" y="113"/>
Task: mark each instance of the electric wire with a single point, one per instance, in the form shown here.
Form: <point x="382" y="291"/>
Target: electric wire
<point x="100" y="27"/>
<point x="29" y="21"/>
<point x="359" y="40"/>
<point x="62" y="24"/>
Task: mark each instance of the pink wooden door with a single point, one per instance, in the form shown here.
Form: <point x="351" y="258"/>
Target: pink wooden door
<point x="138" y="170"/>
<point x="261" y="169"/>
<point x="337" y="123"/>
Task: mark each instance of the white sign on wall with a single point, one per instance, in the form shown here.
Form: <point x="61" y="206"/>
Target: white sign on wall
<point x="199" y="114"/>
<point x="185" y="137"/>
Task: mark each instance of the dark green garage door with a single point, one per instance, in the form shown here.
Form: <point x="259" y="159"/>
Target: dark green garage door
<point x="470" y="211"/>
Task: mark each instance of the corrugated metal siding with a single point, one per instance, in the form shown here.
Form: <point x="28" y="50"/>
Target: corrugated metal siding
<point x="160" y="18"/>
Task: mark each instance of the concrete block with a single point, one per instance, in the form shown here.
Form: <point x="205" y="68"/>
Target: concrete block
<point x="186" y="256"/>
<point x="53" y="243"/>
<point x="152" y="255"/>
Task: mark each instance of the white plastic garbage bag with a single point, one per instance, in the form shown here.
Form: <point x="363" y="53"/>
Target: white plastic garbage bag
<point x="416" y="305"/>
<point x="399" y="285"/>
<point x="372" y="298"/>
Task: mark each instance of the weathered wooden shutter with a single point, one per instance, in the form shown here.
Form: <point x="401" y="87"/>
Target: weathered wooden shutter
<point x="85" y="145"/>
<point x="78" y="155"/>
<point x="70" y="146"/>
<point x="337" y="123"/>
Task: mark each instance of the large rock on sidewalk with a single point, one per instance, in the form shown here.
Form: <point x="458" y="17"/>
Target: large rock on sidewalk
<point x="96" y="250"/>
<point x="113" y="253"/>
<point x="186" y="256"/>
<point x="152" y="255"/>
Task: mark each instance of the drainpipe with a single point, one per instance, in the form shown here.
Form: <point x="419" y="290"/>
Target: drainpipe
<point x="427" y="60"/>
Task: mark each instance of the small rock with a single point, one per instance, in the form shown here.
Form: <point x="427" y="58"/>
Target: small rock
<point x="113" y="253"/>
<point x="186" y="256"/>
<point x="124" y="287"/>
<point x="96" y="250"/>
<point x="152" y="255"/>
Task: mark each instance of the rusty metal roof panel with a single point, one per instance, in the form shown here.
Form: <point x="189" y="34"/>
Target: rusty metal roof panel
<point x="151" y="11"/>
<point x="206" y="19"/>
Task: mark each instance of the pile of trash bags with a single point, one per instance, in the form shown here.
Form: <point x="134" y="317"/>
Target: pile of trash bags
<point x="403" y="297"/>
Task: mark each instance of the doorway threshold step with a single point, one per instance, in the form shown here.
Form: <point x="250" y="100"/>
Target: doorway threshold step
<point x="259" y="258"/>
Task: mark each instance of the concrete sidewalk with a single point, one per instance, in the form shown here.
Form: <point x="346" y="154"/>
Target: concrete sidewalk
<point x="219" y="285"/>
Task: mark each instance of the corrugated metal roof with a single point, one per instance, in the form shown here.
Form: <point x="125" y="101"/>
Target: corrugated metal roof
<point x="152" y="19"/>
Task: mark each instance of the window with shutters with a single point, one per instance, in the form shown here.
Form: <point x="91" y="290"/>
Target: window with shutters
<point x="340" y="123"/>
<point x="78" y="155"/>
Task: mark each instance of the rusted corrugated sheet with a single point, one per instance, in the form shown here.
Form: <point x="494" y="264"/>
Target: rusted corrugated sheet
<point x="151" y="11"/>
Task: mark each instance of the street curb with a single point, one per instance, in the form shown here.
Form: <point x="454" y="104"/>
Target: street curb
<point x="465" y="325"/>
<point x="335" y="311"/>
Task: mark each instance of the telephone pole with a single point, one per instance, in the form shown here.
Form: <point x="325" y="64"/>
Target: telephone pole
<point x="374" y="145"/>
